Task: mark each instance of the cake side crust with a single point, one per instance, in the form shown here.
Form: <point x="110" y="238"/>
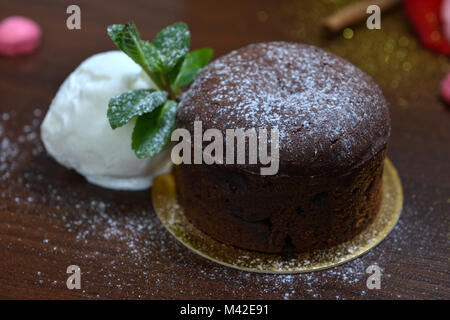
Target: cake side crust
<point x="280" y="214"/>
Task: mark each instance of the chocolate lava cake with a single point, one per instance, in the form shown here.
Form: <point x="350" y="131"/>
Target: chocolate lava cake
<point x="334" y="127"/>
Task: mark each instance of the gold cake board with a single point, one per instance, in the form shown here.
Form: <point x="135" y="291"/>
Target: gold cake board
<point x="172" y="217"/>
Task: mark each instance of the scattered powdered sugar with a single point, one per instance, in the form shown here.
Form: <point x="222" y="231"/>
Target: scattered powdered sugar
<point x="8" y="151"/>
<point x="10" y="155"/>
<point x="117" y="240"/>
<point x="55" y="218"/>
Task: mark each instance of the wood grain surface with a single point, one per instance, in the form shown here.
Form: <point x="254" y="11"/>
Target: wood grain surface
<point x="50" y="217"/>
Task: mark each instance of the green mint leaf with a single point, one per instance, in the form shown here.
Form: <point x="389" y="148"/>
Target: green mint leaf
<point x="153" y="130"/>
<point x="173" y="44"/>
<point x="123" y="107"/>
<point x="127" y="38"/>
<point x="152" y="56"/>
<point x="172" y="74"/>
<point x="192" y="65"/>
<point x="131" y="44"/>
<point x="115" y="32"/>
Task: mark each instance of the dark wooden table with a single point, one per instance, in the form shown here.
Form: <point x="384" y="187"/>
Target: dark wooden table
<point x="51" y="217"/>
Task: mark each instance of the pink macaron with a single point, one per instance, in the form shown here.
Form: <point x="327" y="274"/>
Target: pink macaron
<point x="19" y="36"/>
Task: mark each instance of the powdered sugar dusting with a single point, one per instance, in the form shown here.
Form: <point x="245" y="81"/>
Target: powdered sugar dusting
<point x="317" y="100"/>
<point x="115" y="237"/>
<point x="55" y="218"/>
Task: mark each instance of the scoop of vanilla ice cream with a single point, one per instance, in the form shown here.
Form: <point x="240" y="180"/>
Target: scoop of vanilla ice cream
<point x="76" y="131"/>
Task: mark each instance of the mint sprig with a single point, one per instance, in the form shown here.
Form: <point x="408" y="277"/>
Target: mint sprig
<point x="170" y="65"/>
